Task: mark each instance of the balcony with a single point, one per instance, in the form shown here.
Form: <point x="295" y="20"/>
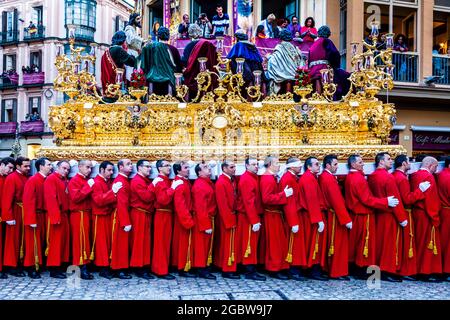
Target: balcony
<point x="9" y="37"/>
<point x="30" y="128"/>
<point x="8" y="128"/>
<point x="34" y="34"/>
<point x="32" y="79"/>
<point x="406" y="66"/>
<point x="9" y="80"/>
<point x="441" y="67"/>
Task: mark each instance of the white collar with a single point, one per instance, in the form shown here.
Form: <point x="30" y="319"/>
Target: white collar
<point x="103" y="177"/>
<point x="354" y="170"/>
<point x="19" y="172"/>
<point x="82" y="175"/>
<point x="226" y="175"/>
<point x="123" y="175"/>
<point x="328" y="171"/>
<point x="141" y="175"/>
<point x="425" y="169"/>
<point x="42" y="174"/>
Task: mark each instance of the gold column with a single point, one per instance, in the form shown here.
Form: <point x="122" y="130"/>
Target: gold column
<point x="355" y="25"/>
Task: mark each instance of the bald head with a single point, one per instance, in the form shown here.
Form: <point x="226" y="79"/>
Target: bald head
<point x="430" y="163"/>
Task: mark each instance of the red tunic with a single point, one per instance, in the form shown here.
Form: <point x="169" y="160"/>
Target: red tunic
<point x="338" y="233"/>
<point x="296" y="255"/>
<point x="80" y="217"/>
<point x="311" y="204"/>
<point x="408" y="267"/>
<point x="56" y="197"/>
<point x="426" y="218"/>
<point x="443" y="182"/>
<point x="2" y="181"/>
<point x="12" y="209"/>
<point x="103" y="204"/>
<point x="276" y="239"/>
<point x="34" y="213"/>
<point x="162" y="226"/>
<point x="183" y="247"/>
<point x="204" y="206"/>
<point x="142" y="198"/>
<point x="121" y="218"/>
<point x="388" y="229"/>
<point x="249" y="211"/>
<point x="226" y="198"/>
<point x="360" y="202"/>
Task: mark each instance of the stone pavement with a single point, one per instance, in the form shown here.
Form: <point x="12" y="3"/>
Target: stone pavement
<point x="221" y="289"/>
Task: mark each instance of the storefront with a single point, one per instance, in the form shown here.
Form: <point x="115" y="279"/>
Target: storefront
<point x="430" y="140"/>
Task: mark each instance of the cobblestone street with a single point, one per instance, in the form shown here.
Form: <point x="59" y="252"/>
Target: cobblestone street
<point x="221" y="289"/>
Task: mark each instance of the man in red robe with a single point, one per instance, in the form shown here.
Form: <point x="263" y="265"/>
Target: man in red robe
<point x="249" y="210"/>
<point x="204" y="206"/>
<point x="226" y="198"/>
<point x="56" y="199"/>
<point x="427" y="222"/>
<point x="80" y="191"/>
<point x="296" y="254"/>
<point x="183" y="241"/>
<point x="360" y="203"/>
<point x="121" y="224"/>
<point x="163" y="221"/>
<point x="311" y="203"/>
<point x="12" y="214"/>
<point x="275" y="232"/>
<point x="7" y="166"/>
<point x="389" y="223"/>
<point x="443" y="183"/>
<point x="142" y="198"/>
<point x="338" y="220"/>
<point x="408" y="267"/>
<point x="104" y="199"/>
<point x="34" y="217"/>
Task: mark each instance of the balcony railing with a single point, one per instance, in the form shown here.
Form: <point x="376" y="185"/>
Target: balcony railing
<point x="406" y="66"/>
<point x="31" y="127"/>
<point x="33" y="34"/>
<point x="33" y="78"/>
<point x="9" y="81"/>
<point x="8" y="127"/>
<point x="441" y="67"/>
<point x="9" y="36"/>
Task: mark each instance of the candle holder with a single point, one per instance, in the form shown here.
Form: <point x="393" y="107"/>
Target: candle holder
<point x="240" y="65"/>
<point x="202" y="61"/>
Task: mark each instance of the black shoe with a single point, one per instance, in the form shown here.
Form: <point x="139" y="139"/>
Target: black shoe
<point x="278" y="275"/>
<point x="230" y="275"/>
<point x="317" y="275"/>
<point x="86" y="276"/>
<point x="255" y="276"/>
<point x="105" y="273"/>
<point x="3" y="275"/>
<point x="167" y="277"/>
<point x="207" y="275"/>
<point x="122" y="275"/>
<point x="185" y="274"/>
<point x="144" y="275"/>
<point x="17" y="273"/>
<point x="33" y="274"/>
<point x="430" y="278"/>
<point x="57" y="275"/>
<point x="409" y="278"/>
<point x="342" y="278"/>
<point x="390" y="278"/>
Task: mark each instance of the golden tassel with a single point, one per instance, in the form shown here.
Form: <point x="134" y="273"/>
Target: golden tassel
<point x="316" y="246"/>
<point x="435" y="252"/>
<point x="92" y="256"/>
<point x="289" y="255"/>
<point x="47" y="237"/>
<point x="21" y="255"/>
<point x="211" y="244"/>
<point x="187" y="266"/>
<point x="411" y="236"/>
<point x="331" y="250"/>
<point x="82" y="251"/>
<point x="36" y="253"/>
<point x="366" y="242"/>
<point x="231" y="254"/>
<point x="248" y="251"/>
<point x="113" y="229"/>
<point x="396" y="245"/>
<point x="232" y="244"/>
<point x="431" y="244"/>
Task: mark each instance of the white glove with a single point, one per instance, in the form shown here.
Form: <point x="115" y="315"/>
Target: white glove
<point x="349" y="225"/>
<point x="11" y="222"/>
<point x="321" y="226"/>
<point x="209" y="231"/>
<point x="404" y="223"/>
<point x="73" y="163"/>
<point x="127" y="228"/>
<point x="256" y="226"/>
<point x="392" y="201"/>
<point x="156" y="180"/>
<point x="288" y="191"/>
<point x="294" y="229"/>
<point x="212" y="163"/>
<point x="116" y="187"/>
<point x="176" y="183"/>
<point x="33" y="225"/>
<point x="91" y="182"/>
<point x="424" y="186"/>
<point x="94" y="163"/>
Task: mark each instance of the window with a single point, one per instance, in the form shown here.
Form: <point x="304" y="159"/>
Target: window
<point x="9" y="110"/>
<point x="36" y="59"/>
<point x="9" y="62"/>
<point x="34" y="105"/>
<point x="82" y="13"/>
<point x="442" y="3"/>
<point x="86" y="51"/>
<point x="37" y="15"/>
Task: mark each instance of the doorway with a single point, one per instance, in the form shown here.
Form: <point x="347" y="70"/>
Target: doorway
<point x="281" y="9"/>
<point x="206" y="6"/>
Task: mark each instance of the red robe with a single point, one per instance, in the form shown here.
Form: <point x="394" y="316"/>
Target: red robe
<point x="276" y="239"/>
<point x="360" y="203"/>
<point x="12" y="209"/>
<point x="204" y="206"/>
<point x="34" y="213"/>
<point x="338" y="233"/>
<point x="408" y="266"/>
<point x="103" y="205"/>
<point x="249" y="211"/>
<point x="162" y="226"/>
<point x="2" y="181"/>
<point x="296" y="255"/>
<point x="226" y="198"/>
<point x="443" y="183"/>
<point x="183" y="246"/>
<point x="56" y="198"/>
<point x="388" y="230"/>
<point x="80" y="217"/>
<point x="142" y="198"/>
<point x="426" y="217"/>
<point x="311" y="203"/>
<point x="121" y="218"/>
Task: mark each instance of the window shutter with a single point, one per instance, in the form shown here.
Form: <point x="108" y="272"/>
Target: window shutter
<point x="4" y="62"/>
<point x="39" y="105"/>
<point x="3" y="110"/>
<point x="4" y="24"/>
<point x="14" y="119"/>
<point x="40" y="61"/>
<point x="15" y="19"/>
<point x="117" y="27"/>
<point x="14" y="62"/>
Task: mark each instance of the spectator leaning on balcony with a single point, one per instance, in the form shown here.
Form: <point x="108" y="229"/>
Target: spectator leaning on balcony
<point x="32" y="29"/>
<point x="204" y="25"/>
<point x="308" y="32"/>
<point x="183" y="28"/>
<point x="260" y="33"/>
<point x="221" y="22"/>
<point x="270" y="26"/>
<point x="294" y="27"/>
<point x="400" y="43"/>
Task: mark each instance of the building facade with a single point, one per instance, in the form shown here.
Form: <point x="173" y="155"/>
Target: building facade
<point x="31" y="33"/>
